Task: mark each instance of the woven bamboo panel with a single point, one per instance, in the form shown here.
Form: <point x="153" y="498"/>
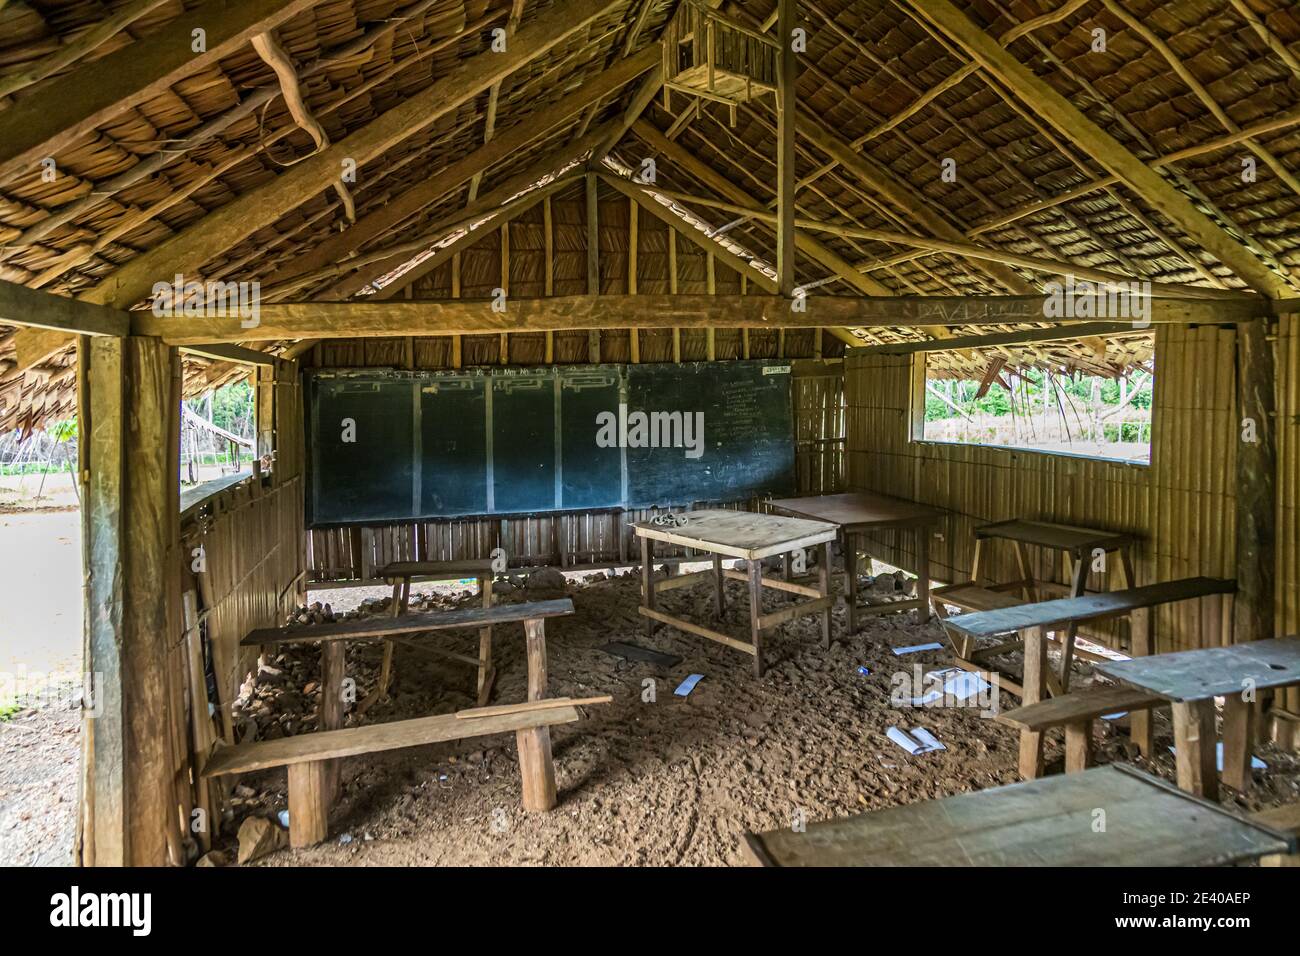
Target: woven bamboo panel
<point x="1181" y="507"/>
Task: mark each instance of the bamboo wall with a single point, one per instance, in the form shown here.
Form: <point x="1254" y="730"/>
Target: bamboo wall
<point x="1181" y="507"/>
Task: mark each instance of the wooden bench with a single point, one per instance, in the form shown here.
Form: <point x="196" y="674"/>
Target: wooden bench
<point x="1031" y="621"/>
<point x="309" y="756"/>
<point x="1076" y="713"/>
<point x="969" y="598"/>
<point x="407" y="628"/>
<point x="400" y="574"/>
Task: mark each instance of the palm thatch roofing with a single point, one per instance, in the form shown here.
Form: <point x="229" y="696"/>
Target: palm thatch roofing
<point x="1204" y="92"/>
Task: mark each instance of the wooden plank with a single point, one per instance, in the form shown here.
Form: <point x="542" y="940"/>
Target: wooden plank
<point x="239" y="355"/>
<point x="374" y="738"/>
<point x="1082" y="705"/>
<point x="429" y="570"/>
<point x="739" y="534"/>
<point x="532" y="705"/>
<point x="360" y="318"/>
<point x="789" y="613"/>
<point x="860" y="511"/>
<point x="1036" y="823"/>
<point x="786" y="76"/>
<point x="1087" y="608"/>
<point x="1061" y="537"/>
<point x="260" y="207"/>
<point x="97" y="90"/>
<point x="683" y="625"/>
<point x="409" y="623"/>
<point x="1020" y="337"/>
<point x="1212" y="671"/>
<point x="775" y="583"/>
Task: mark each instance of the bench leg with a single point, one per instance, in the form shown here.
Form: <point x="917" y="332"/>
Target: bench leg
<point x="1194" y="748"/>
<point x="308" y="803"/>
<point x="485" y="671"/>
<point x="1238" y="720"/>
<point x="330" y="714"/>
<point x="1141" y="728"/>
<point x="1078" y="746"/>
<point x="536" y="769"/>
<point x="1031" y="742"/>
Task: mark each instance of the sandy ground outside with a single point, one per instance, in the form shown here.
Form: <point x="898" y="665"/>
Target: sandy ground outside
<point x="40" y="634"/>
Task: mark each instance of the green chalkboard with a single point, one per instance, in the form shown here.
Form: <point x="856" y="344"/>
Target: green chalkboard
<point x="510" y="441"/>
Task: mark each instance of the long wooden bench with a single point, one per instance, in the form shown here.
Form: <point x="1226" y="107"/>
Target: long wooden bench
<point x="1031" y="621"/>
<point x="308" y="756"/>
<point x="1076" y="713"/>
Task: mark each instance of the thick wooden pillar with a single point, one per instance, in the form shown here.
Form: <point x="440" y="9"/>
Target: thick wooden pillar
<point x="131" y="545"/>
<point x="1256" y="485"/>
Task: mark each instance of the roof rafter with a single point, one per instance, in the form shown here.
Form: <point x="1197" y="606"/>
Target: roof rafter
<point x="1104" y="148"/>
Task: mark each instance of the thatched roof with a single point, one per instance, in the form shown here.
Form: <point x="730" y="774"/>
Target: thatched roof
<point x="1190" y="88"/>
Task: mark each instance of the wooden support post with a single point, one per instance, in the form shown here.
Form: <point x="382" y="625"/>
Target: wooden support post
<point x="333" y="670"/>
<point x="1194" y="748"/>
<point x="131" y="547"/>
<point x="1031" y="741"/>
<point x="593" y="238"/>
<point x="756" y="612"/>
<point x="785" y="155"/>
<point x="634" y="340"/>
<point x="923" y="574"/>
<point x="1256" y="485"/>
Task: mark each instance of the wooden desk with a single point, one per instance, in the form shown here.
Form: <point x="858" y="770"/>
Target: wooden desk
<point x="400" y="574"/>
<point x="1047" y="822"/>
<point x="1077" y="545"/>
<point x="1191" y="680"/>
<point x="857" y="514"/>
<point x="738" y="534"/>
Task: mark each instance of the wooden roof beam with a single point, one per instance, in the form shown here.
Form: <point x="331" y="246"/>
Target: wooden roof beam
<point x="786" y="82"/>
<point x="31" y="308"/>
<point x="94" y="92"/>
<point x="1101" y="146"/>
<point x="494" y="95"/>
<point x="364" y="317"/>
<point x="503" y="146"/>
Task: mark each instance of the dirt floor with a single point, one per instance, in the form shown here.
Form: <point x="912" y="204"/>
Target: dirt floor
<point x="655" y="778"/>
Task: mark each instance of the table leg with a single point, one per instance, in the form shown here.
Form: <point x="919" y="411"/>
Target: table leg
<point x="1079" y="579"/>
<point x="1078" y="746"/>
<point x="785" y="566"/>
<point x="1029" y="593"/>
<point x="976" y="561"/>
<point x="923" y="574"/>
<point x="824" y="585"/>
<point x="1238" y="724"/>
<point x="1031" y="742"/>
<point x="1194" y="750"/>
<point x="719" y="586"/>
<point x="1067" y="654"/>
<point x="851" y="573"/>
<point x="485" y="672"/>
<point x="755" y="612"/>
<point x="1141" y="728"/>
<point x="648" y="582"/>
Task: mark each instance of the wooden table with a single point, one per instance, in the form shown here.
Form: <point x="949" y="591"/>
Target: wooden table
<point x="738" y="534"/>
<point x="1077" y="546"/>
<point x="1047" y="822"/>
<point x="1191" y="680"/>
<point x="858" y="514"/>
<point x="400" y="574"/>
